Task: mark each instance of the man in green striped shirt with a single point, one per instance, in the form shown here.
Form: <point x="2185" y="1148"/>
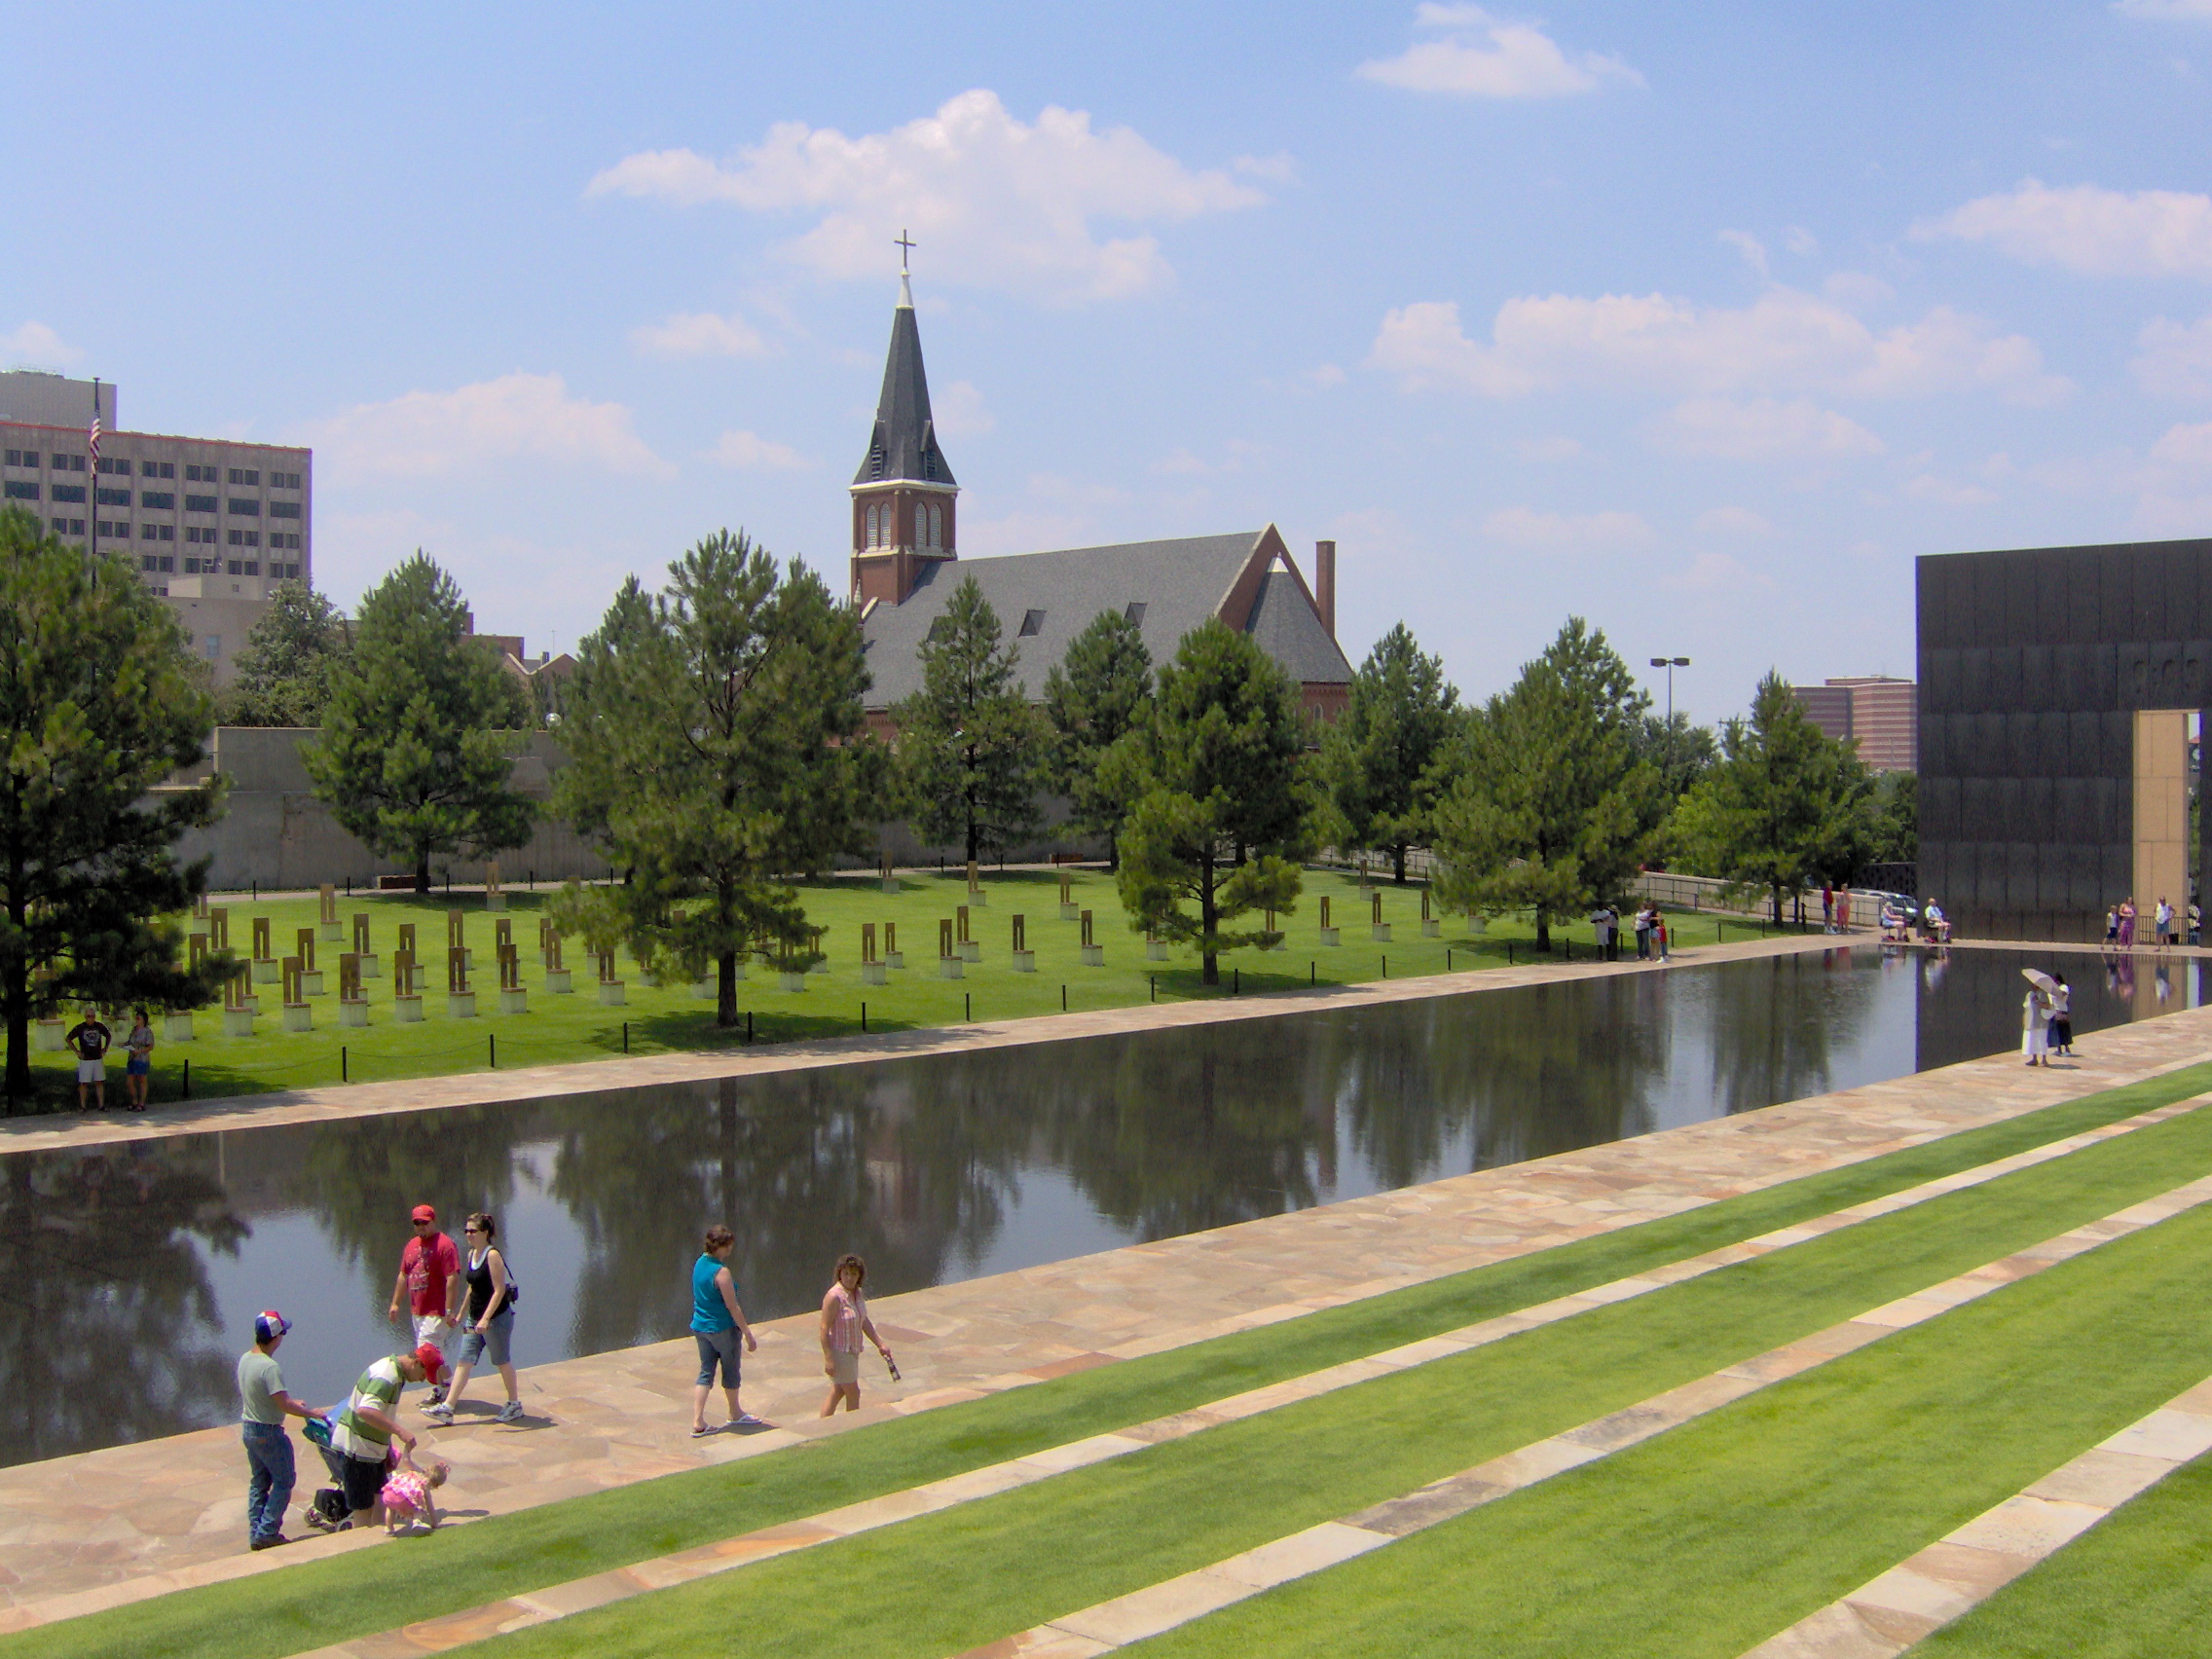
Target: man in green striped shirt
<point x="370" y="1423"/>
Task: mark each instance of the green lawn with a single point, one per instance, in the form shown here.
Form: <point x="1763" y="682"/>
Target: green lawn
<point x="1266" y="1476"/>
<point x="576" y="1027"/>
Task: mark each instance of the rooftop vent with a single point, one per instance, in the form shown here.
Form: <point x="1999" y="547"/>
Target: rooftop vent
<point x="1032" y="622"/>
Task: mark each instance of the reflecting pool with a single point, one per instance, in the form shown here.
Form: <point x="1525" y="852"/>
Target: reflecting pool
<point x="129" y="1272"/>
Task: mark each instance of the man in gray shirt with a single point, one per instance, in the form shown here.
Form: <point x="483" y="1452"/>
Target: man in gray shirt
<point x="264" y="1406"/>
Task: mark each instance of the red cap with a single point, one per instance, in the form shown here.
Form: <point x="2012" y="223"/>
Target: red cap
<point x="425" y="1212"/>
<point x="432" y="1360"/>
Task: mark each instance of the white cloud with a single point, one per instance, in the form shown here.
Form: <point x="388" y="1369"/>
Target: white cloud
<point x="1750" y="246"/>
<point x="1567" y="532"/>
<point x="1800" y="242"/>
<point x="700" y="334"/>
<point x="2176" y="358"/>
<point x="1711" y="572"/>
<point x="2185" y="449"/>
<point x="1480" y="55"/>
<point x="1949" y="492"/>
<point x="1761" y="430"/>
<point x="1237" y="455"/>
<point x="958" y="410"/>
<point x="1786" y="341"/>
<point x="1327" y="375"/>
<point x="1733" y="521"/>
<point x="1559" y="448"/>
<point x="517" y="417"/>
<point x="34" y="345"/>
<point x="2099" y="233"/>
<point x="2169" y="10"/>
<point x="993" y="201"/>
<point x="751" y="453"/>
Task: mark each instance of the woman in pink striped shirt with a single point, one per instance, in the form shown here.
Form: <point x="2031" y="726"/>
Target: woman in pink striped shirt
<point x="844" y="1321"/>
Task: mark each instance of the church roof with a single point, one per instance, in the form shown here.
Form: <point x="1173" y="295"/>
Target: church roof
<point x="904" y="443"/>
<point x="1179" y="583"/>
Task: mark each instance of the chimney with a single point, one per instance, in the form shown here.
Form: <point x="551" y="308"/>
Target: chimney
<point x="1325" y="584"/>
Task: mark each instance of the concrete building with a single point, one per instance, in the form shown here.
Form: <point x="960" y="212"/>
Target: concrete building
<point x="906" y="565"/>
<point x="1881" y="712"/>
<point x="2059" y="686"/>
<point x="211" y="525"/>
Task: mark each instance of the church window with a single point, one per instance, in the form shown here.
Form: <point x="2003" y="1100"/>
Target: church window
<point x="869" y="541"/>
<point x="1032" y="623"/>
<point x="936" y="525"/>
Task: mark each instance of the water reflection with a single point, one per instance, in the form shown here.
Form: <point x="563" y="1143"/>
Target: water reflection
<point x="128" y="1273"/>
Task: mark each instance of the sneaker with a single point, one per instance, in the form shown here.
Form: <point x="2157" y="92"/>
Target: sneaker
<point x="511" y="1412"/>
<point x="270" y="1543"/>
<point x="438" y="1396"/>
<point x="438" y="1410"/>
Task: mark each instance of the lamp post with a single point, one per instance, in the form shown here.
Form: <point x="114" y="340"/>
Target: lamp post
<point x="1670" y="664"/>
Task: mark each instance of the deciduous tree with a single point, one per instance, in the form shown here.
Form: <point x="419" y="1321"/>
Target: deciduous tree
<point x="970" y="746"/>
<point x="417" y="736"/>
<point x="717" y="739"/>
<point x="1548" y="807"/>
<point x="1222" y="778"/>
<point x="1378" y="759"/>
<point x="284" y="674"/>
<point x="1092" y="696"/>
<point x="99" y="706"/>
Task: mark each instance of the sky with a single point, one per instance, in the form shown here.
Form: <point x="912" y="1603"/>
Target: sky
<point x="1699" y="321"/>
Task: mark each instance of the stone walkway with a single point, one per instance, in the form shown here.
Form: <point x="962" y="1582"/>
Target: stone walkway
<point x="646" y="1071"/>
<point x="107" y="1526"/>
<point x="1162" y="1607"/>
<point x="549" y="1603"/>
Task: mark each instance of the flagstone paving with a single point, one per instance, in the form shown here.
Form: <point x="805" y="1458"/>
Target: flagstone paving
<point x="560" y="1601"/>
<point x="103" y="1527"/>
<point x="2028" y="1528"/>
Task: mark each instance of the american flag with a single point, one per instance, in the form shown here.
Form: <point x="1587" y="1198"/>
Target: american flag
<point x="94" y="436"/>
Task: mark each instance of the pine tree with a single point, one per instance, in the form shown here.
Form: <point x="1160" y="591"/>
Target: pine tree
<point x="1092" y="696"/>
<point x="1378" y="757"/>
<point x="1787" y="805"/>
<point x="1549" y="808"/>
<point x="1222" y="778"/>
<point x="413" y="757"/>
<point x="715" y="732"/>
<point x="969" y="745"/>
<point x="284" y="674"/>
<point x="99" y="702"/>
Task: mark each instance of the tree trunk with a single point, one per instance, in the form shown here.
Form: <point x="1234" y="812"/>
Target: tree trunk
<point x="422" y="871"/>
<point x="1209" y="918"/>
<point x="18" y="1057"/>
<point x="1398" y="864"/>
<point x="1543" y="930"/>
<point x="726" y="989"/>
<point x="1778" y="904"/>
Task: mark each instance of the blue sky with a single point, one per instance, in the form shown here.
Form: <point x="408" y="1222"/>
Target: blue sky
<point x="1700" y="321"/>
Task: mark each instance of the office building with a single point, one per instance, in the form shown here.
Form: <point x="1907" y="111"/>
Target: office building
<point x="211" y="525"/>
<point x="1881" y="712"/>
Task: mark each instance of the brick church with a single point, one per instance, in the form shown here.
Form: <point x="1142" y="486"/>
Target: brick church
<point x="907" y="562"/>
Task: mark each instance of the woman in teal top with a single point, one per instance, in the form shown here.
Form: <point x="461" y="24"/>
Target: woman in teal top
<point x="716" y="1325"/>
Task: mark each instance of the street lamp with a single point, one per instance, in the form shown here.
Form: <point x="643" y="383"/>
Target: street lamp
<point x="1670" y="664"/>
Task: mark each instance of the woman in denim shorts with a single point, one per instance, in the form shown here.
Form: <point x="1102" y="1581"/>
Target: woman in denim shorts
<point x="489" y="1325"/>
<point x="717" y="1323"/>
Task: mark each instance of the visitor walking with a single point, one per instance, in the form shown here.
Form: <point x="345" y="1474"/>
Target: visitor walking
<point x="90" y="1040"/>
<point x="2112" y="924"/>
<point x="2164" y="917"/>
<point x="488" y="1322"/>
<point x="844" y="1321"/>
<point x="2035" y="1027"/>
<point x="1643" y="915"/>
<point x="1828" y="908"/>
<point x="262" y="1407"/>
<point x="2061" y="1015"/>
<point x="717" y="1326"/>
<point x="1843" y="909"/>
<point x="138" y="1061"/>
<point x="2195" y="924"/>
<point x="2128" y="923"/>
<point x="369" y="1422"/>
<point x="429" y="1281"/>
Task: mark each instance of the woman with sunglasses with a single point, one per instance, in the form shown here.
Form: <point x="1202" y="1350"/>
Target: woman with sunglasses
<point x="487" y="1325"/>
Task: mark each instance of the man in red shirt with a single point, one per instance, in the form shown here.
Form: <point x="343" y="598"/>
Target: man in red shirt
<point x="430" y="1278"/>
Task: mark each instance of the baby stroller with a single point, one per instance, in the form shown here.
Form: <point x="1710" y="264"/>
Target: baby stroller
<point x="328" y="1511"/>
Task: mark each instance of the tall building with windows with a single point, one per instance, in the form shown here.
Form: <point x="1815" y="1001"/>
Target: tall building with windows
<point x="1880" y="711"/>
<point x="211" y="525"/>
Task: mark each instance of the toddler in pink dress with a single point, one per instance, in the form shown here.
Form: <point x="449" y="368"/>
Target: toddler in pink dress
<point x="406" y="1497"/>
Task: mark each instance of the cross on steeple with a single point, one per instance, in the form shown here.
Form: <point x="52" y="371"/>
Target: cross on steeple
<point x="905" y="245"/>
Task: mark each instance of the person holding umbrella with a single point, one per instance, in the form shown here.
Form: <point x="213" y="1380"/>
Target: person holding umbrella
<point x="2035" y="1016"/>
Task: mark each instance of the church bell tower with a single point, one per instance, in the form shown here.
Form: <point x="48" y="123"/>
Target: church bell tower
<point x="903" y="493"/>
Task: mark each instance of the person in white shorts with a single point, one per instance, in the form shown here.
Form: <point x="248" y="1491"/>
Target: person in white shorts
<point x="430" y="1283"/>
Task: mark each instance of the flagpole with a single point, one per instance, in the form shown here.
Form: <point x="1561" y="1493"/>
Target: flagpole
<point x="94" y="480"/>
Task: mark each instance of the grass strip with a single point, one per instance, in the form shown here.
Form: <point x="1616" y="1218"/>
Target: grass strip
<point x="946" y="1583"/>
<point x="271" y="1614"/>
<point x="2137" y="1583"/>
<point x="1705" y="1542"/>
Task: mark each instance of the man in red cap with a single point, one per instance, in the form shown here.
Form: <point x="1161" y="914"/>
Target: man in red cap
<point x="430" y="1281"/>
<point x="370" y="1423"/>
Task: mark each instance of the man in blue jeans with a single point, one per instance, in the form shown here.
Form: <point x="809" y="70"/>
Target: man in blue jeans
<point x="264" y="1406"/>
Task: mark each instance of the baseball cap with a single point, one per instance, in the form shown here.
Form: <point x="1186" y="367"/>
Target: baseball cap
<point x="424" y="1212"/>
<point x="432" y="1360"/>
<point x="268" y="1323"/>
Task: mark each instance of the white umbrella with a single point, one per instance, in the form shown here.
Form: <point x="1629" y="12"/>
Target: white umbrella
<point x="2037" y="978"/>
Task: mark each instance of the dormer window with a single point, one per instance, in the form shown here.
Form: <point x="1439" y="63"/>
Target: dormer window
<point x="1133" y="612"/>
<point x="1032" y="622"/>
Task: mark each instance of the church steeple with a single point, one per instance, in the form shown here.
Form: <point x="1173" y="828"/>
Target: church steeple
<point x="902" y="495"/>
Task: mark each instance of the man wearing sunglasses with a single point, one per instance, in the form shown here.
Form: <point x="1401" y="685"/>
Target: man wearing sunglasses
<point x="430" y="1281"/>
